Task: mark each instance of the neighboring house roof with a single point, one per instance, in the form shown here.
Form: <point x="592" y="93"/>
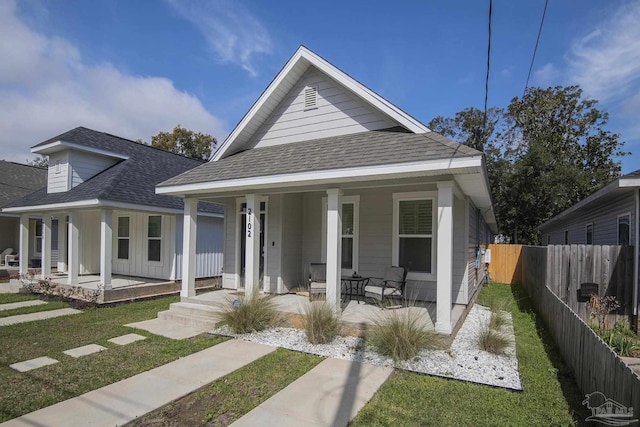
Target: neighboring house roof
<point x="18" y="180"/>
<point x="371" y="148"/>
<point x="131" y="181"/>
<point x="286" y="79"/>
<point x="628" y="182"/>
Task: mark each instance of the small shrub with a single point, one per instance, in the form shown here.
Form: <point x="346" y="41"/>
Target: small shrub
<point x="249" y="314"/>
<point x="400" y="334"/>
<point x="622" y="340"/>
<point x="601" y="307"/>
<point x="321" y="323"/>
<point x="492" y="341"/>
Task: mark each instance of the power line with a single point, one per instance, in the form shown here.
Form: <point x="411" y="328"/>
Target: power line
<point x="535" y="49"/>
<point x="486" y="81"/>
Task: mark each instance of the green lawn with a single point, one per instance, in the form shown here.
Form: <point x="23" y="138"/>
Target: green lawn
<point x="9" y="298"/>
<point x="25" y="392"/>
<point x="229" y="398"/>
<point x="550" y="396"/>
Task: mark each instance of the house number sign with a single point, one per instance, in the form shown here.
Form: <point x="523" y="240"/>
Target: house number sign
<point x="249" y="225"/>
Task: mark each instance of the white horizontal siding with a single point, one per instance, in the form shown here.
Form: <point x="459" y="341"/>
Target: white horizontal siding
<point x="85" y="166"/>
<point x="58" y="172"/>
<point x="339" y="112"/>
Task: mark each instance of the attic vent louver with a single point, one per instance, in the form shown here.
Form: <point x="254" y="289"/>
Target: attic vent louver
<point x="310" y="97"/>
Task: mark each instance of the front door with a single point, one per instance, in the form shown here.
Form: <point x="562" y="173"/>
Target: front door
<point x="243" y="239"/>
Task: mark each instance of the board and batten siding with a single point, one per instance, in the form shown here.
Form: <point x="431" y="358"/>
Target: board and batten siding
<point x="209" y="242"/>
<point x="291" y="225"/>
<point x="84" y="166"/>
<point x="603" y="216"/>
<point x="58" y="172"/>
<point x="137" y="264"/>
<point x="230" y="235"/>
<point x="338" y="112"/>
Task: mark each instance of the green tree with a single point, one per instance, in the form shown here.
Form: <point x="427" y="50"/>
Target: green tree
<point x="185" y="142"/>
<point x="41" y="162"/>
<point x="546" y="151"/>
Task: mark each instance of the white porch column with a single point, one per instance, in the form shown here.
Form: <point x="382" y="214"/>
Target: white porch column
<point x="444" y="256"/>
<point x="62" y="242"/>
<point x="23" y="254"/>
<point x="73" y="248"/>
<point x="45" y="263"/>
<point x="189" y="233"/>
<point x="106" y="246"/>
<point x="252" y="248"/>
<point x="334" y="247"/>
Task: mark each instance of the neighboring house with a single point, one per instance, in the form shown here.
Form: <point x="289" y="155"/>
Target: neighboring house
<point x="322" y="169"/>
<point x="607" y="217"/>
<point x="16" y="181"/>
<point x="101" y="190"/>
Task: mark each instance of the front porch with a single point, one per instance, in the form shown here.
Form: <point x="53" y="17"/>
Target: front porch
<point x="354" y="315"/>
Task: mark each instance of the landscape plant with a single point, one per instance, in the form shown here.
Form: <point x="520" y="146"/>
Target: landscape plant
<point x="321" y="322"/>
<point x="400" y="334"/>
<point x="491" y="337"/>
<point x="601" y="307"/>
<point x="249" y="313"/>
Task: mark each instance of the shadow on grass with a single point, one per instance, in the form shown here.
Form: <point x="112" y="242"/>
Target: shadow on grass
<point x="564" y="373"/>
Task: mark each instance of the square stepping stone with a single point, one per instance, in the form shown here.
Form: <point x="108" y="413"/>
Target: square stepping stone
<point x="127" y="339"/>
<point x="84" y="350"/>
<point x="36" y="363"/>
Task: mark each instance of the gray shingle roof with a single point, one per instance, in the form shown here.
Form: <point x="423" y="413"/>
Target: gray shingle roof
<point x="370" y="148"/>
<point x="129" y="181"/>
<point x="18" y="180"/>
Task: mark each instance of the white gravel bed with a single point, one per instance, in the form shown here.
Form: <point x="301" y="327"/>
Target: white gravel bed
<point x="464" y="361"/>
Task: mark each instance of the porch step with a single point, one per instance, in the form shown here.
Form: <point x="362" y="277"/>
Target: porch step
<point x="190" y="314"/>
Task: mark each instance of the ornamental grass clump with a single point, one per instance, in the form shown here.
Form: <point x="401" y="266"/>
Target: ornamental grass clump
<point x="490" y="337"/>
<point x="249" y="313"/>
<point x="321" y="322"/>
<point x="401" y="334"/>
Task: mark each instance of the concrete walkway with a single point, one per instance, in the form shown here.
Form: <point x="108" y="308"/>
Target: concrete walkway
<point x="21" y="304"/>
<point x="331" y="394"/>
<point x="40" y="315"/>
<point x="121" y="402"/>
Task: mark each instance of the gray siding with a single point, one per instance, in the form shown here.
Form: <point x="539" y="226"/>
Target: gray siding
<point x="603" y="216"/>
<point x="339" y="112"/>
<point x="9" y="236"/>
<point x="273" y="244"/>
<point x="312" y="230"/>
<point x="209" y="241"/>
<point x="459" y="288"/>
<point x="472" y="248"/>
<point x="58" y="177"/>
<point x="230" y="236"/>
<point x="292" y="271"/>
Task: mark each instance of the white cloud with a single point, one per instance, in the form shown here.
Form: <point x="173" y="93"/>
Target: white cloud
<point x="546" y="76"/>
<point x="46" y="89"/>
<point x="229" y="28"/>
<point x="606" y="62"/>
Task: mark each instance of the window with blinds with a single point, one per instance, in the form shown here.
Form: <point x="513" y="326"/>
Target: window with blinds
<point x="415" y="234"/>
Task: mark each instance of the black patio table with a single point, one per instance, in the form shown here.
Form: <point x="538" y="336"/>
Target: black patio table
<point x="353" y="286"/>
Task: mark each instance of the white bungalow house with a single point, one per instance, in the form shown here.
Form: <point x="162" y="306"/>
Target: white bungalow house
<point x="100" y="211"/>
<point x="322" y="169"/>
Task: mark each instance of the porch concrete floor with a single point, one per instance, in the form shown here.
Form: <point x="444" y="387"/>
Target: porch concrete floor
<point x="91" y="281"/>
<point x="352" y="312"/>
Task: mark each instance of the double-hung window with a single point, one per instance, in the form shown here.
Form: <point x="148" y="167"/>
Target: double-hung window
<point x="123" y="237"/>
<point x="624" y="228"/>
<point x="38" y="237"/>
<point x="414" y="240"/>
<point x="590" y="234"/>
<point x="349" y="213"/>
<point x="154" y="238"/>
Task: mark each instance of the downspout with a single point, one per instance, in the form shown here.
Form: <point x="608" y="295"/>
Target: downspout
<point x="635" y="254"/>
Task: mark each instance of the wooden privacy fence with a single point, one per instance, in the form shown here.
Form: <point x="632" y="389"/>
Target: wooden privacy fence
<point x="567" y="267"/>
<point x="596" y="367"/>
<point x="505" y="264"/>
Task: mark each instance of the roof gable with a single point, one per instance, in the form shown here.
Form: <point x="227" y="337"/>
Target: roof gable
<point x="247" y="130"/>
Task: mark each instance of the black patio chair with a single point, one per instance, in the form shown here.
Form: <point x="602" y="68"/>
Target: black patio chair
<point x="390" y="286"/>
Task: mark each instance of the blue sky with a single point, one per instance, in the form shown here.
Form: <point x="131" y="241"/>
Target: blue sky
<point x="134" y="68"/>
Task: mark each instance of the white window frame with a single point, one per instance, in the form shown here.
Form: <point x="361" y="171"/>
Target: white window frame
<point x="395" y="243"/>
<point x="628" y="216"/>
<point x="37" y="237"/>
<point x="118" y="238"/>
<point x="355" y="200"/>
<point x="586" y="236"/>
<point x="154" y="238"/>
